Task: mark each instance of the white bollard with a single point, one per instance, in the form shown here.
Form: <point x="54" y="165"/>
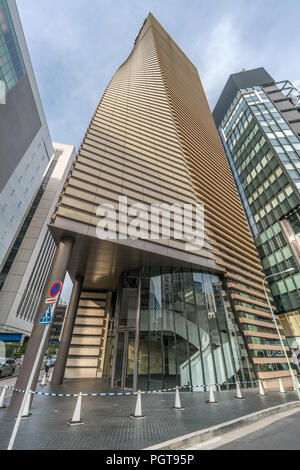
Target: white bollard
<point x="76" y="419"/>
<point x="238" y="392"/>
<point x="211" y="396"/>
<point x="2" y="397"/>
<point x="26" y="412"/>
<point x="44" y="380"/>
<point x="177" y="406"/>
<point x="261" y="389"/>
<point x="138" y="409"/>
<point x="50" y="376"/>
<point x="281" y="388"/>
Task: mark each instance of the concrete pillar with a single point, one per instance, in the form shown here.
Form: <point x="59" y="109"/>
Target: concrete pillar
<point x="22" y="340"/>
<point x="137" y="332"/>
<point x="62" y="355"/>
<point x="57" y="273"/>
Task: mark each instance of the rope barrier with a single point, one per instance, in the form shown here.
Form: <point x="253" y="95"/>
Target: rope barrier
<point x="66" y="395"/>
<point x="148" y="392"/>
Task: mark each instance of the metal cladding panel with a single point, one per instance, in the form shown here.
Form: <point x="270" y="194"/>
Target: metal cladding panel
<point x="132" y="149"/>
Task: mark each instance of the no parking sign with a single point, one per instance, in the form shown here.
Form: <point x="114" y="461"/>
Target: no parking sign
<point x="55" y="289"/>
<point x="54" y="292"/>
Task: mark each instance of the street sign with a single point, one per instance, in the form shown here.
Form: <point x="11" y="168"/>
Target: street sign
<point x="46" y="317"/>
<point x="55" y="289"/>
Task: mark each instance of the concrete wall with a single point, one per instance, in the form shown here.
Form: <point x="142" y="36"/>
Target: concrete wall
<point x="16" y="311"/>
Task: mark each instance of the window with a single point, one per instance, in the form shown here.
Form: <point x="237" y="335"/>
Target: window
<point x="274" y="202"/>
<point x="287" y="252"/>
<point x="290" y="284"/>
<point x="270" y="135"/>
<point x="12" y="67"/>
<point x="281" y="287"/>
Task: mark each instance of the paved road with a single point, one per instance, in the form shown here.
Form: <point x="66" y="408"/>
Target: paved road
<point x="11" y="381"/>
<point x="276" y="432"/>
<point x="283" y="434"/>
<point x="3" y="379"/>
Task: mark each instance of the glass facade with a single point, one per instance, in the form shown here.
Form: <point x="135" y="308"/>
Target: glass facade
<point x="185" y="331"/>
<point x="294" y="221"/>
<point x="264" y="155"/>
<point x="291" y="325"/>
<point x="11" y="63"/>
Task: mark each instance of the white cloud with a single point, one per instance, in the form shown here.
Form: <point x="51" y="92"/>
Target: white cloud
<point x="74" y="58"/>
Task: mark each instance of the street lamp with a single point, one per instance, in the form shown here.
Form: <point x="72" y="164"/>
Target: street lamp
<point x="294" y="381"/>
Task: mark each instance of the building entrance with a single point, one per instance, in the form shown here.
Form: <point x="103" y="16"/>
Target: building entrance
<point x="124" y="369"/>
<point x="174" y="327"/>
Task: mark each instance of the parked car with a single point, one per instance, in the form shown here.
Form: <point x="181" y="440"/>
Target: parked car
<point x="7" y="366"/>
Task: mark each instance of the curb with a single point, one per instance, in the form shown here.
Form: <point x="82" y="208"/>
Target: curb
<point x="199" y="436"/>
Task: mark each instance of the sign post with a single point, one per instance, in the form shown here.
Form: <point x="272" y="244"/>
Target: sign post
<point x="45" y="320"/>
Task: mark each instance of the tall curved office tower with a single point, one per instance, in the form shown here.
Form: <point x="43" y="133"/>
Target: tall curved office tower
<point x="152" y="313"/>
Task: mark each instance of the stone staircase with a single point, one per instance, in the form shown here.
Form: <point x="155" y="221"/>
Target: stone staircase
<point x="87" y="349"/>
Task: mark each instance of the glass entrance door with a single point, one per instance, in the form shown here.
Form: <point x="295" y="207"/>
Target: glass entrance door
<point x="124" y="369"/>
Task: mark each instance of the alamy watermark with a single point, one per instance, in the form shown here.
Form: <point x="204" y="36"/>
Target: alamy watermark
<point x="2" y="92"/>
<point x="184" y="222"/>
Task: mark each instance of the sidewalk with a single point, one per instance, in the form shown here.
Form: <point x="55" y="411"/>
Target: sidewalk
<point x="11" y="382"/>
<point x="107" y="423"/>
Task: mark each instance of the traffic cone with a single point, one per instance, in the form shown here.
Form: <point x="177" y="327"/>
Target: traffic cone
<point x="2" y="396"/>
<point x="177" y="406"/>
<point x="26" y="412"/>
<point x="44" y="381"/>
<point x="281" y="388"/>
<point x="261" y="389"/>
<point x="211" y="396"/>
<point x="76" y="419"/>
<point x="138" y="409"/>
<point x="238" y="392"/>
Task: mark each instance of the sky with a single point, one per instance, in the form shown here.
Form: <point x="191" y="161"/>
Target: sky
<point x="77" y="45"/>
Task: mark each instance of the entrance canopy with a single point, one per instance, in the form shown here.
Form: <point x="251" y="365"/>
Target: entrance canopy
<point x="101" y="262"/>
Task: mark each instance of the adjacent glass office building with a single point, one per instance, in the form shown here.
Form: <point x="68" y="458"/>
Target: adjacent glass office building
<point x="25" y="144"/>
<point x="291" y="324"/>
<point x="31" y="178"/>
<point x="258" y="122"/>
<point x="12" y="67"/>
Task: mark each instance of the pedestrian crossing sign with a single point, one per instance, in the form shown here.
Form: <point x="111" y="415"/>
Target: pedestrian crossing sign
<point x="46" y="317"/>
